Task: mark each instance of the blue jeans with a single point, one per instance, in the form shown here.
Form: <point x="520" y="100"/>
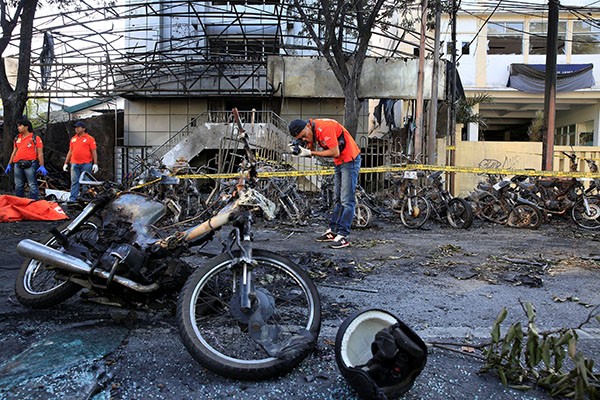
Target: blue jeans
<point x="76" y="170"/>
<point x="26" y="175"/>
<point x="344" y="201"/>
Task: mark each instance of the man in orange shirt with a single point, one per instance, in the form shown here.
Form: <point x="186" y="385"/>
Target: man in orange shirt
<point x="337" y="143"/>
<point x="28" y="159"/>
<point x="82" y="155"/>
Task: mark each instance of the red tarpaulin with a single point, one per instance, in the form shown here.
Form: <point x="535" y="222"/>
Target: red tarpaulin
<point x="13" y="208"/>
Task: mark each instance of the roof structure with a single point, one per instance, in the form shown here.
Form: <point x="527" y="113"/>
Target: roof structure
<point x="136" y="48"/>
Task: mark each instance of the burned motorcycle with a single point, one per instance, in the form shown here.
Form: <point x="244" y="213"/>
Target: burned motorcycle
<point x="246" y="313"/>
<point x="108" y="248"/>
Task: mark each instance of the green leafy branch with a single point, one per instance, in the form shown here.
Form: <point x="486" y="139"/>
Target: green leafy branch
<point x="523" y="358"/>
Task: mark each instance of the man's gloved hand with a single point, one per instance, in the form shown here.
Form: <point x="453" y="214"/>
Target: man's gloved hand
<point x="66" y="167"/>
<point x="94" y="168"/>
<point x="299" y="150"/>
<point x="8" y="169"/>
<point x="304" y="152"/>
<point x="42" y="170"/>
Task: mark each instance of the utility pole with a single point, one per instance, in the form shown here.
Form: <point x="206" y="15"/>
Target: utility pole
<point x="450" y="159"/>
<point x="420" y="83"/>
<point x="433" y="106"/>
<point x="550" y="91"/>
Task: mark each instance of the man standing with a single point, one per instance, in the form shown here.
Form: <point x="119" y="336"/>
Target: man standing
<point x="337" y="143"/>
<point x="28" y="159"/>
<point x="82" y="155"/>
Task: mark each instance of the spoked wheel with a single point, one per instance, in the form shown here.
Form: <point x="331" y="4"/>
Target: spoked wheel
<point x="525" y="216"/>
<point x="362" y="216"/>
<point x="414" y="211"/>
<point x="588" y="218"/>
<point x="40" y="286"/>
<point x="278" y="331"/>
<point x="459" y="214"/>
<point x="491" y="209"/>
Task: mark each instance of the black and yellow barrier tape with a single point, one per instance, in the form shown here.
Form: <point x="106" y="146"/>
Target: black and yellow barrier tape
<point x="395" y="168"/>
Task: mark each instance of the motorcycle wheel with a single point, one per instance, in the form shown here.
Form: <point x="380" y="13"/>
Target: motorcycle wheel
<point x="586" y="220"/>
<point x="39" y="286"/>
<point x="525" y="216"/>
<point x="491" y="209"/>
<point x="414" y="212"/>
<point x="362" y="216"/>
<point x="212" y="325"/>
<point x="459" y="214"/>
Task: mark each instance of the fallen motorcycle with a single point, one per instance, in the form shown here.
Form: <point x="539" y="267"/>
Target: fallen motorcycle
<point x="245" y="314"/>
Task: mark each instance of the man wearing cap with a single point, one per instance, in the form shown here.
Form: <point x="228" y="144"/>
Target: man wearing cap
<point x="337" y="143"/>
<point x="82" y="155"/>
<point x="28" y="159"/>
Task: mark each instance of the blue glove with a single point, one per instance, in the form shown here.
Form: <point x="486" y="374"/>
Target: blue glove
<point x="8" y="169"/>
<point x="42" y="170"/>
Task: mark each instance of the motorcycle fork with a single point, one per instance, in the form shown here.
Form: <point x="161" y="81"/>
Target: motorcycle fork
<point x="586" y="205"/>
<point x="90" y="209"/>
<point x="243" y="240"/>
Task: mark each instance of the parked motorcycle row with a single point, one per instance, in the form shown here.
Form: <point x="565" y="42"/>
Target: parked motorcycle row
<point x="527" y="202"/>
<point x="417" y="197"/>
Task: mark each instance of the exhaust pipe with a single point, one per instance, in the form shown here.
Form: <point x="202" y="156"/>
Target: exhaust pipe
<point x="47" y="255"/>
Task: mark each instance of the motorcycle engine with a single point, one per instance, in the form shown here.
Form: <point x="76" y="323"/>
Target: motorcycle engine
<point x="552" y="205"/>
<point x="128" y="259"/>
<point x="171" y="273"/>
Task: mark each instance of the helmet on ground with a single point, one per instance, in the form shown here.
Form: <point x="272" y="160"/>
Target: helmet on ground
<point x="379" y="355"/>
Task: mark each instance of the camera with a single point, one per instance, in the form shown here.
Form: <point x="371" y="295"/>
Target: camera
<point x="295" y="146"/>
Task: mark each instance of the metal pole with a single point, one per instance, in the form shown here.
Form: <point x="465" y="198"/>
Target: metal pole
<point x="550" y="92"/>
<point x="433" y="106"/>
<point x="420" y="83"/>
<point x="452" y="134"/>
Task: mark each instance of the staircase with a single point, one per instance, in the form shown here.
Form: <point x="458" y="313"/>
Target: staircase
<point x="210" y="130"/>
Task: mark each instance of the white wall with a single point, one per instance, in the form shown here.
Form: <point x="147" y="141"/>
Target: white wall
<point x="151" y="122"/>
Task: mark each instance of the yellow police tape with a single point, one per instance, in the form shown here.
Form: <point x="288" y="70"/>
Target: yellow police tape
<point x="397" y="168"/>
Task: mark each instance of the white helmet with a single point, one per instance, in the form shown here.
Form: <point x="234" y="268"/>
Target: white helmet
<point x="379" y="355"/>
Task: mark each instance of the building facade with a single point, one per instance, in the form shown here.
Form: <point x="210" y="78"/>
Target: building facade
<point x="501" y="51"/>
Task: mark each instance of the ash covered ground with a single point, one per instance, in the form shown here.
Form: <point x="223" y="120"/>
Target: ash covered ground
<point x="448" y="285"/>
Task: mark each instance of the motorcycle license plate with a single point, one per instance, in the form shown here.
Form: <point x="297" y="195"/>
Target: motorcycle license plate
<point x="497" y="186"/>
<point x="410" y="174"/>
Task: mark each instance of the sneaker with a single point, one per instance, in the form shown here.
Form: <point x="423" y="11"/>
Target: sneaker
<point x="339" y="242"/>
<point x="326" y="237"/>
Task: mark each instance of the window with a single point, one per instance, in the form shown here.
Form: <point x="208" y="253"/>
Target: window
<point x="505" y="38"/>
<point x="538" y="32"/>
<point x="586" y="38"/>
<point x="565" y="136"/>
<point x="586" y="138"/>
<point x="231" y="48"/>
<point x="465" y="47"/>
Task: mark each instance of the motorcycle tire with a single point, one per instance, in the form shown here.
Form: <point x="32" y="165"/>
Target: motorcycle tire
<point x="40" y="287"/>
<point x="414" y="212"/>
<point x="459" y="213"/>
<point x="525" y="216"/>
<point x="362" y="216"/>
<point x="584" y="219"/>
<point x="215" y="329"/>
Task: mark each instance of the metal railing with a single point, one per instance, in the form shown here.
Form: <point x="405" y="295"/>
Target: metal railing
<point x="267" y="121"/>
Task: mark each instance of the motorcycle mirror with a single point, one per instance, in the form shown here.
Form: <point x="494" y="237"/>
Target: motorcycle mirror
<point x="88" y="179"/>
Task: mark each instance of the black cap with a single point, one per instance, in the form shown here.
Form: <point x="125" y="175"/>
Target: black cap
<point x="296" y="126"/>
<point x="81" y="124"/>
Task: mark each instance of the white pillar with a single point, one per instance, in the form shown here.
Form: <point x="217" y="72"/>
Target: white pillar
<point x="473" y="132"/>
